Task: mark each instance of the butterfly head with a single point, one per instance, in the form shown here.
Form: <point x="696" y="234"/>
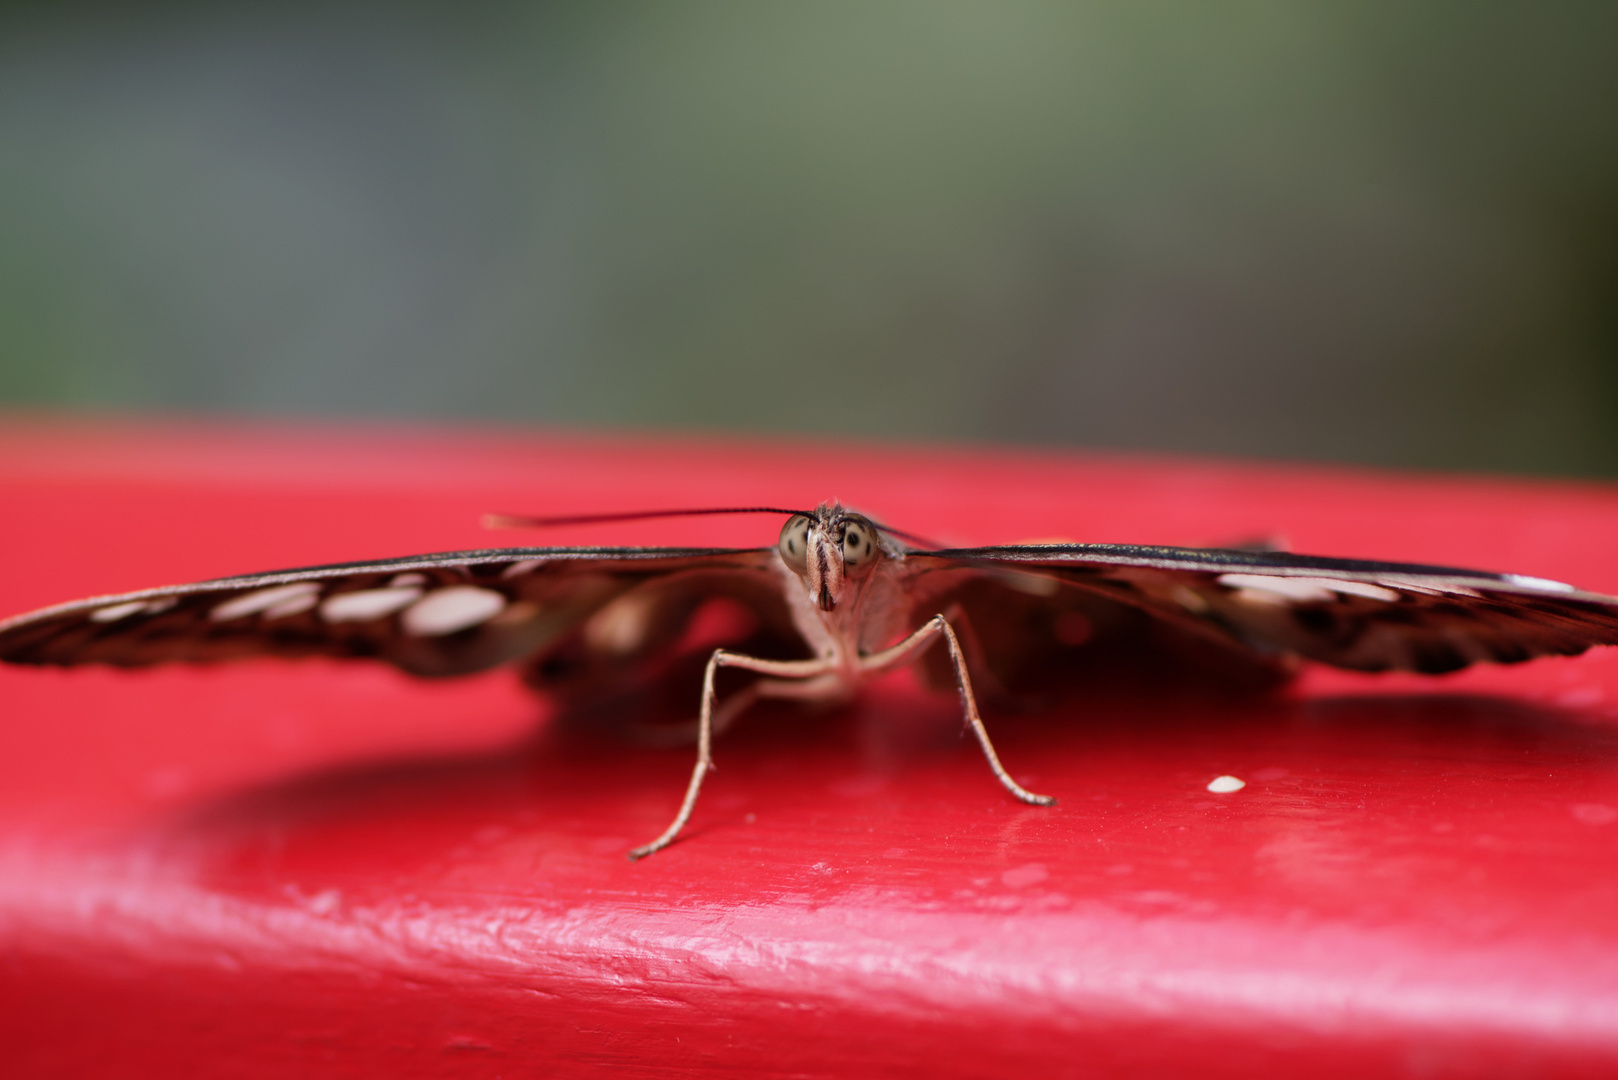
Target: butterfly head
<point x="830" y="549"/>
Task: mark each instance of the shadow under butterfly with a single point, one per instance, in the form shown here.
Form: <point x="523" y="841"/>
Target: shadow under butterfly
<point x="837" y="600"/>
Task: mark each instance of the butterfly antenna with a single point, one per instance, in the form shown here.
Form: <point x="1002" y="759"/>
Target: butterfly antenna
<point x="920" y="541"/>
<point x="516" y="521"/>
<point x="521" y="521"/>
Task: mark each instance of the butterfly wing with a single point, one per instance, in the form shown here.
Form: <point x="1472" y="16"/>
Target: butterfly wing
<point x="1350" y="613"/>
<point x="458" y="612"/>
<point x="444" y="614"/>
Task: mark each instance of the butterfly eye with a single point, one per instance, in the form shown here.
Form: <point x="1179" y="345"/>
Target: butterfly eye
<point x="858" y="545"/>
<point x="794" y="544"/>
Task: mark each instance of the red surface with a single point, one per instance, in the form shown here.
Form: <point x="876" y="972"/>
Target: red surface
<point x="255" y="869"/>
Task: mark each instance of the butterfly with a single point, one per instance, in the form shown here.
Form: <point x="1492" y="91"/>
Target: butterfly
<point x="836" y="600"/>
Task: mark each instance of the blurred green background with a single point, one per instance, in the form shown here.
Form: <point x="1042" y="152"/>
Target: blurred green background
<point x="1374" y="232"/>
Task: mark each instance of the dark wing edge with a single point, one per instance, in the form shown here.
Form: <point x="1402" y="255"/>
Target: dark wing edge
<point x="447" y="613"/>
<point x="1351" y="613"/>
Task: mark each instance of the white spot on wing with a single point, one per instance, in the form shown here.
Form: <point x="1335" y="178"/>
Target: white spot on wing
<point x="1307" y="589"/>
<point x="1031" y="584"/>
<point x="1276" y="590"/>
<point x="262" y="600"/>
<point x="1224" y="785"/>
<point x="117" y="611"/>
<point x="401" y="581"/>
<point x="1538" y="584"/>
<point x="519" y="612"/>
<point x="1189" y="599"/>
<point x="621" y="627"/>
<point x="366" y="604"/>
<point x="458" y="607"/>
<point x="294" y="606"/>
<point x="1362" y="588"/>
<point x="1435" y="588"/>
<point x="517" y="569"/>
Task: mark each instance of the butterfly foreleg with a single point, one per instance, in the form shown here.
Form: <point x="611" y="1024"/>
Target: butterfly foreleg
<point x="684" y="734"/>
<point x="726" y="712"/>
<point x="791" y="678"/>
<point x="910" y="649"/>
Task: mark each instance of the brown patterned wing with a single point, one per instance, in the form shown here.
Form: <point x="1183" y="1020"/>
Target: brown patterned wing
<point x="445" y="614"/>
<point x="1350" y="613"/>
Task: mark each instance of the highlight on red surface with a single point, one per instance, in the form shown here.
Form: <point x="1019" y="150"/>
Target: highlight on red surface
<point x="337" y="870"/>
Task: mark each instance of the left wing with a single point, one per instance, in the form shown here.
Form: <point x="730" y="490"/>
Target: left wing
<point x="1350" y="613"/>
<point x="446" y="614"/>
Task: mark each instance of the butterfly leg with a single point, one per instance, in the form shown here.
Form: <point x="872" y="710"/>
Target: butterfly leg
<point x="909" y="649"/>
<point x="685" y="733"/>
<point x="726" y="712"/>
<point x="801" y="674"/>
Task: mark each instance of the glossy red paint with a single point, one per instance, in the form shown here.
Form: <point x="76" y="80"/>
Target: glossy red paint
<point x="339" y="871"/>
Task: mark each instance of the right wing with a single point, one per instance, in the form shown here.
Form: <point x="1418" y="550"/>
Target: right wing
<point x="450" y="613"/>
